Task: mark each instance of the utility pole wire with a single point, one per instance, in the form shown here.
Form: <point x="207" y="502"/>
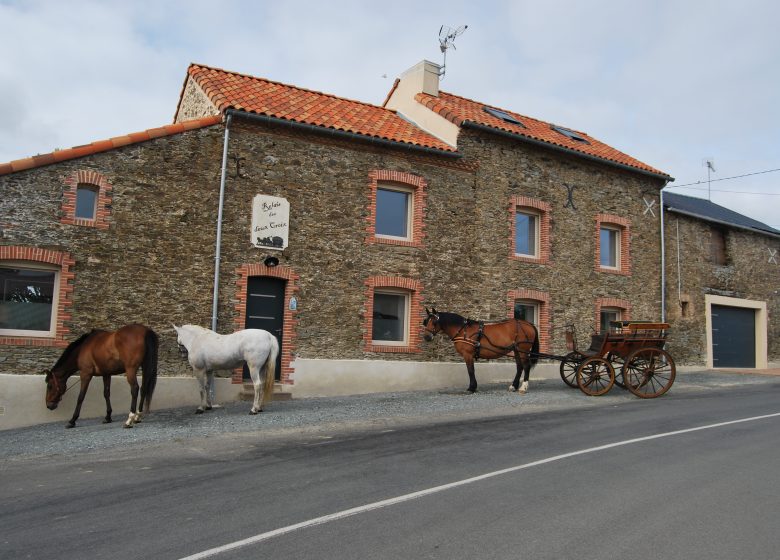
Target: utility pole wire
<point x="726" y="179"/>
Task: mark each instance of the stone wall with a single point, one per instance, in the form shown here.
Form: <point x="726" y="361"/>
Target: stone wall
<point x="155" y="261"/>
<point x="750" y="274"/>
<point x="194" y="103"/>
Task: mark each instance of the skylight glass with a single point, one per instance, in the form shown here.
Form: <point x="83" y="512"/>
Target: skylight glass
<point x="504" y="116"/>
<point x="569" y="134"/>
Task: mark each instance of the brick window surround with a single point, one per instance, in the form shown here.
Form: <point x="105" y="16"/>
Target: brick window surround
<point x="622" y="304"/>
<point x="542" y="210"/>
<point x="289" y="330"/>
<point x="542" y="300"/>
<point x="624" y="227"/>
<point x="103" y="208"/>
<point x="414" y="320"/>
<point x="65" y="262"/>
<point x="419" y="186"/>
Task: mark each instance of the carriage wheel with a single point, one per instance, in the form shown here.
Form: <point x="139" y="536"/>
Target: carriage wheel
<point x="649" y="372"/>
<point x="569" y="366"/>
<point x="595" y="376"/>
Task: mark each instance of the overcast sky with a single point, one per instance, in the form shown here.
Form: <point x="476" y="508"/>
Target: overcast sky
<point x="671" y="83"/>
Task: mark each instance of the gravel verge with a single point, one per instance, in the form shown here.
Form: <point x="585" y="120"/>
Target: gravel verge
<point x="316" y="416"/>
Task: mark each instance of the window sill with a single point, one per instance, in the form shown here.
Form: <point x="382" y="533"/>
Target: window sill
<point x="529" y="259"/>
<point x="15" y="340"/>
<point x="617" y="271"/>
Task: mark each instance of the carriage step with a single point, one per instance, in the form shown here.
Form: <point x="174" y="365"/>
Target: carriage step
<point x="248" y="393"/>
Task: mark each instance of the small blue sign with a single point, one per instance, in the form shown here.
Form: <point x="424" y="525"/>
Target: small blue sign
<point x="293" y="303"/>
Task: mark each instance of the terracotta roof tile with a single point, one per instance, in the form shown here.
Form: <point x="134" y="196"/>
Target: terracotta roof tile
<point x="106" y="145"/>
<point x="228" y="90"/>
<point x="459" y="110"/>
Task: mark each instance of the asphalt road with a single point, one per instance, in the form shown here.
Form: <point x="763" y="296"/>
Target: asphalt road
<point x="622" y="479"/>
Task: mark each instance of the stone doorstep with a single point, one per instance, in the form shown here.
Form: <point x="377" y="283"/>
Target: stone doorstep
<point x="248" y="393"/>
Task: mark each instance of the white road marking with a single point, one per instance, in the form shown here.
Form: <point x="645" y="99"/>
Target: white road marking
<point x="436" y="489"/>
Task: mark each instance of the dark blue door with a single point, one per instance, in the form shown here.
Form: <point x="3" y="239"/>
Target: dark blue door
<point x="733" y="337"/>
<point x="265" y="310"/>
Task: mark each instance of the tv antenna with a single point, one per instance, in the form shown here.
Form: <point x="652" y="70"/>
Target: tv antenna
<point x="446" y="40"/>
<point x="710" y="164"/>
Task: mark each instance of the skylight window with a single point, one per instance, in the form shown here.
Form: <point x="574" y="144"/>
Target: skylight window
<point x="504" y="116"/>
<point x="569" y="134"/>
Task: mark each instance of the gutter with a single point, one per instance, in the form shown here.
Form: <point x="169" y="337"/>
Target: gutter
<point x="218" y="250"/>
<point x="265" y="119"/>
<point x="569" y="151"/>
<point x="723" y="223"/>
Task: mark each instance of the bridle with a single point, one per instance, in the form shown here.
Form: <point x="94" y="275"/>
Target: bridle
<point x="58" y="384"/>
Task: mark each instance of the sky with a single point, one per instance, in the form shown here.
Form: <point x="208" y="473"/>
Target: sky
<point x="671" y="83"/>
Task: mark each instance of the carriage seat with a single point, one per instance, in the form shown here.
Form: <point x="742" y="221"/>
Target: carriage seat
<point x="596" y="345"/>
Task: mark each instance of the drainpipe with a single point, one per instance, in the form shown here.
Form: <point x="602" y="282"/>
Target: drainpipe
<point x="219" y="225"/>
<point x="663" y="260"/>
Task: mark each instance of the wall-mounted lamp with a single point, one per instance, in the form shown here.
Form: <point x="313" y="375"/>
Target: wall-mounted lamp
<point x="271" y="261"/>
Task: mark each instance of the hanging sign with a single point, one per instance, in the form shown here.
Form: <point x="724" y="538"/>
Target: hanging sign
<point x="270" y="222"/>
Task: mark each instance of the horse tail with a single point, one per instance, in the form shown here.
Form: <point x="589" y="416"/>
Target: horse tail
<point x="149" y="366"/>
<point x="270" y="370"/>
<point x="535" y="347"/>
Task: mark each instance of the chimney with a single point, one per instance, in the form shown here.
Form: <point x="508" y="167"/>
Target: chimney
<point x="423" y="77"/>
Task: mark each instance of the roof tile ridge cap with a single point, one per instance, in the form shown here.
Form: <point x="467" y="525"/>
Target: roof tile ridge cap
<point x="290" y="86"/>
<point x="391" y="92"/>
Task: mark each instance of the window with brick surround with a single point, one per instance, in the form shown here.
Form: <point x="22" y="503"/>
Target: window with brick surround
<point x="612" y="244"/>
<point x="86" y="200"/>
<point x="396" y="208"/>
<point x="392" y="315"/>
<point x="530" y="230"/>
<point x="532" y="306"/>
<point x="611" y="309"/>
<point x="35" y="296"/>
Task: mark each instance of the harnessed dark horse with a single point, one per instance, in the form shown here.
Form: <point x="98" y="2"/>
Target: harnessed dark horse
<point x="476" y="340"/>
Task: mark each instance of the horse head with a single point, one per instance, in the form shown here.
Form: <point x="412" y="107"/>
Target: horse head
<point x="183" y="350"/>
<point x="55" y="388"/>
<point x="431" y="324"/>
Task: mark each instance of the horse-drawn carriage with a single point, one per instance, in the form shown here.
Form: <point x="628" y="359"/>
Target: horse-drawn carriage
<point x="630" y="355"/>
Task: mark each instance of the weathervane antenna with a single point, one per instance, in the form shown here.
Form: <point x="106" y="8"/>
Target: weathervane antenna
<point x="446" y="40"/>
<point x="710" y="164"/>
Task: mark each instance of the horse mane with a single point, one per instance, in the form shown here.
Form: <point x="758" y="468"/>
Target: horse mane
<point x="197" y="328"/>
<point x="73" y="346"/>
<point x="446" y="319"/>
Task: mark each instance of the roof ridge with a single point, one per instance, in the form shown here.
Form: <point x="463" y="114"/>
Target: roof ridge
<point x="298" y="88"/>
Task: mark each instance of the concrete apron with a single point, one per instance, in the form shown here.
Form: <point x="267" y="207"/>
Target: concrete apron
<point x="22" y="396"/>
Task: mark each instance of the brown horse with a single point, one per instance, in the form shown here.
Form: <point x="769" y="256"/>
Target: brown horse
<point x="479" y="340"/>
<point x="103" y="354"/>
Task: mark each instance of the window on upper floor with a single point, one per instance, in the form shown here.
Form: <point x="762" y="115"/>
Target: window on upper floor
<point x="613" y="238"/>
<point x="527" y="233"/>
<point x="530" y="229"/>
<point x="718" y="246"/>
<point x="86" y="201"/>
<point x="28" y="300"/>
<point x="609" y="247"/>
<point x="394" y="206"/>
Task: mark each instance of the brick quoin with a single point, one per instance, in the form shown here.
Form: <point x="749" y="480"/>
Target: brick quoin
<point x="416" y="314"/>
<point x="419" y="185"/>
<point x="289" y="329"/>
<point x="65" y="262"/>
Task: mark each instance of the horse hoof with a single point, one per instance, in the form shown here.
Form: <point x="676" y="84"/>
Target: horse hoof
<point x="254" y="411"/>
<point x="522" y="391"/>
<point x="511" y="389"/>
<point x="199" y="411"/>
<point x="70" y="425"/>
<point x="107" y="420"/>
<point x="127" y="426"/>
<point x="208" y="408"/>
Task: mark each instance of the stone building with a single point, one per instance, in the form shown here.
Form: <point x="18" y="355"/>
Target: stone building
<point x="340" y="221"/>
<point x="722" y="285"/>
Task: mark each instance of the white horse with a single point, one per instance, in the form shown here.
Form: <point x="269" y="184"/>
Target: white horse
<point x="207" y="351"/>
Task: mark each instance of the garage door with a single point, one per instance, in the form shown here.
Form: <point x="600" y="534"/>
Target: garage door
<point x="733" y="336"/>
